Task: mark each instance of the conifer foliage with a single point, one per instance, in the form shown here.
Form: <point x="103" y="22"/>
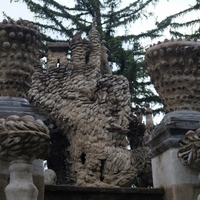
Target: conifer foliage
<point x="184" y="23"/>
<point x="125" y="55"/>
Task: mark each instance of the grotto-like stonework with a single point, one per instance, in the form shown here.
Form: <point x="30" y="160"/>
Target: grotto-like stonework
<point x="93" y="112"/>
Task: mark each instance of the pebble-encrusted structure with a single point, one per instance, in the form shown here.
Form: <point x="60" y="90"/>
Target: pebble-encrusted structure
<point x="173" y="66"/>
<point x="19" y="41"/>
<point x="93" y="112"/>
<point x="24" y="139"/>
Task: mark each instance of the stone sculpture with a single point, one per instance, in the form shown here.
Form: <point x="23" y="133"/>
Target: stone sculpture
<point x="189" y="152"/>
<point x="24" y="139"/>
<point x="149" y="119"/>
<point x="93" y="112"/>
<point x="173" y="66"/>
<point x="138" y="113"/>
<point x="18" y="54"/>
<point x="105" y="67"/>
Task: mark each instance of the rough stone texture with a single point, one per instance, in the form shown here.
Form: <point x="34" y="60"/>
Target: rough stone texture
<point x="56" y="54"/>
<point x="190" y="149"/>
<point x="178" y="181"/>
<point x="19" y="130"/>
<point x="173" y="66"/>
<point x="23" y="137"/>
<point x="22" y="140"/>
<point x="18" y="52"/>
<point x="84" y="193"/>
<point x="93" y="111"/>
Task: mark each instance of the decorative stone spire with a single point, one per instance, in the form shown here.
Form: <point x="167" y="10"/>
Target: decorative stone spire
<point x="18" y="52"/>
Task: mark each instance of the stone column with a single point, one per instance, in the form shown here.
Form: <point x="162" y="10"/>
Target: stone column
<point x="19" y="43"/>
<point x="179" y="181"/>
<point x="173" y="68"/>
<point x="21" y="181"/>
<point x="22" y="139"/>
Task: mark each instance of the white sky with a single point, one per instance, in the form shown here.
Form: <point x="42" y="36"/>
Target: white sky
<point x="163" y="8"/>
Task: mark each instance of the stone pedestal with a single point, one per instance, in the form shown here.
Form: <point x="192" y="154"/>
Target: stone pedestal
<point x="179" y="181"/>
<point x="21" y="181"/>
<point x="37" y="175"/>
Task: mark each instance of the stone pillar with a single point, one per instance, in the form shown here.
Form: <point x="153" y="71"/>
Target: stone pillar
<point x="21" y="181"/>
<point x="19" y="43"/>
<point x="179" y="181"/>
<point x="23" y="139"/>
<point x="173" y="66"/>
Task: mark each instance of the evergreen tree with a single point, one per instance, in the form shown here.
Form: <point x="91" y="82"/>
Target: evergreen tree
<point x="125" y="51"/>
<point x="187" y="28"/>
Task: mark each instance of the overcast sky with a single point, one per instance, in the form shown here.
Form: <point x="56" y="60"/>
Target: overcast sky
<point x="164" y="8"/>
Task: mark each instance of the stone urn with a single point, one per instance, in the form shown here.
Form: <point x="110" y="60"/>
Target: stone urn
<point x="22" y="139"/>
<point x="174" y="68"/>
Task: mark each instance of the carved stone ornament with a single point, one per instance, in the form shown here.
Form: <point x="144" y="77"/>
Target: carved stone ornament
<point x="23" y="138"/>
<point x="173" y="66"/>
<point x="189" y="152"/>
<point x="19" y="43"/>
<point x="93" y="112"/>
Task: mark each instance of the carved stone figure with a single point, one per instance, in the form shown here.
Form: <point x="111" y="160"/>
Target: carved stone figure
<point x="93" y="112"/>
<point x="173" y="68"/>
<point x="105" y="67"/>
<point x="189" y="152"/>
<point x="149" y="118"/>
<point x="138" y="113"/>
